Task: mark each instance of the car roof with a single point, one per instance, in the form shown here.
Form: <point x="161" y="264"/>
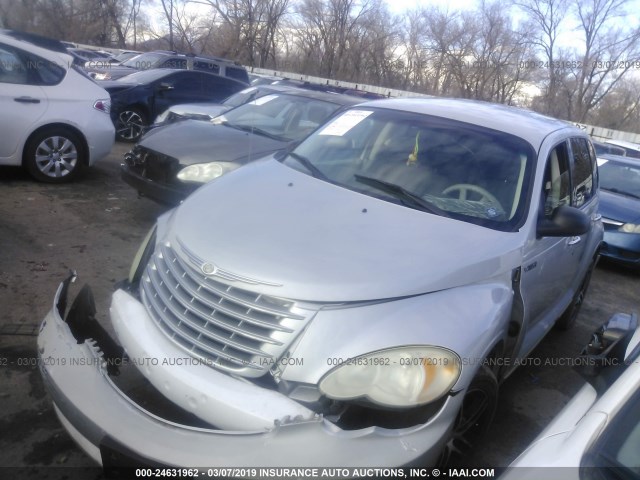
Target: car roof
<point x="45" y="47"/>
<point x="337" y="98"/>
<point x="37" y="40"/>
<point x="522" y="123"/>
<point x="158" y="73"/>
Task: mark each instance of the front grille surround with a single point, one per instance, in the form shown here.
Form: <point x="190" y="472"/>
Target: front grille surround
<point x="225" y="324"/>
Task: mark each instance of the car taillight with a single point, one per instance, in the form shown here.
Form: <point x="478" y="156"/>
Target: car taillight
<point x="103" y="105"/>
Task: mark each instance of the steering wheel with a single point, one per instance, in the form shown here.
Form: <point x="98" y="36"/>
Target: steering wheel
<point x="463" y="188"/>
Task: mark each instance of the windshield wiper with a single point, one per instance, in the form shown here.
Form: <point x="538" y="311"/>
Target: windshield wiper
<point x="621" y="192"/>
<point x="306" y="163"/>
<point x="405" y="196"/>
<point x="250" y="129"/>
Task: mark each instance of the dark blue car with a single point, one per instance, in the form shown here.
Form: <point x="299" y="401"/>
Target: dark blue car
<point x="620" y="208"/>
<point x="138" y="98"/>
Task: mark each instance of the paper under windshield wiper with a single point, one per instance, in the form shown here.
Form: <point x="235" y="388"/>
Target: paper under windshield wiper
<point x="405" y="196"/>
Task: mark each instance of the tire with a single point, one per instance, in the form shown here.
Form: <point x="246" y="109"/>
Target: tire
<point x="55" y="155"/>
<point x="130" y="124"/>
<point x="568" y="319"/>
<point x="473" y="420"/>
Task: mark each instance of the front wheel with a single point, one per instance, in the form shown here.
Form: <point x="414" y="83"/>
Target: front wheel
<point x="130" y="124"/>
<point x="55" y="155"/>
<point x="473" y="420"/>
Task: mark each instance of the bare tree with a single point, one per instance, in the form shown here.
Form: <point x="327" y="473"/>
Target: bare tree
<point x="547" y="16"/>
<point x="610" y="51"/>
<point x="249" y="28"/>
<point x="168" y="6"/>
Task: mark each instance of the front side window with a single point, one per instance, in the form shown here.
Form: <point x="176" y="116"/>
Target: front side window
<point x="557" y="182"/>
<point x="582" y="171"/>
<point x="186" y="83"/>
<point x="441" y="166"/>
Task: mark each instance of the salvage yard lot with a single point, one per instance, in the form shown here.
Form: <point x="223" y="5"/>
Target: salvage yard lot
<point x="95" y="225"/>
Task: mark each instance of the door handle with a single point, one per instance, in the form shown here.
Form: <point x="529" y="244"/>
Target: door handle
<point x="574" y="240"/>
<point x="26" y="100"/>
<point x="596" y="217"/>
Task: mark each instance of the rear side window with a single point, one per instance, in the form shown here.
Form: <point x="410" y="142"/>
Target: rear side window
<point x="238" y="73"/>
<point x="20" y="67"/>
<point x="582" y="171"/>
<point x="174" y="63"/>
<point x="206" y="66"/>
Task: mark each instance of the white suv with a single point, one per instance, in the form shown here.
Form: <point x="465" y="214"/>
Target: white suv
<point x="54" y="120"/>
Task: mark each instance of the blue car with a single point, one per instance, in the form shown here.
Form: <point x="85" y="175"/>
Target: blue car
<point x="620" y="209"/>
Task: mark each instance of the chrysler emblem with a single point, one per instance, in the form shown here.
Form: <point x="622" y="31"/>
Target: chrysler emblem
<point x="209" y="269"/>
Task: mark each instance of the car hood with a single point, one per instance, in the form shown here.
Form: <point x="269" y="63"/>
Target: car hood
<point x="204" y="108"/>
<point x="194" y="141"/>
<point x="301" y="238"/>
<point x="619" y="207"/>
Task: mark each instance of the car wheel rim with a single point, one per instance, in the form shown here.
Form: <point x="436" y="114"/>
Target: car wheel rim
<point x="130" y="125"/>
<point x="56" y="157"/>
<point x="472" y="420"/>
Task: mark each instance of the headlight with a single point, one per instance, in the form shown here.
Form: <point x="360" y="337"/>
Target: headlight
<point x="142" y="256"/>
<point x="398" y="377"/>
<point x="629" y="228"/>
<point x="205" y="172"/>
<point x="102" y="76"/>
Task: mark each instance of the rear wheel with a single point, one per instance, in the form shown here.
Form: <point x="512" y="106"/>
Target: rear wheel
<point x="473" y="420"/>
<point x="55" y="155"/>
<point x="130" y="124"/>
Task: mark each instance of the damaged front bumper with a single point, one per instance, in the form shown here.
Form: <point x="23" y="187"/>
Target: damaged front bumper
<point x="262" y="428"/>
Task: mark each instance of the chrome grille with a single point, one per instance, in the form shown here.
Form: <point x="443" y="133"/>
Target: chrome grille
<point x="230" y="328"/>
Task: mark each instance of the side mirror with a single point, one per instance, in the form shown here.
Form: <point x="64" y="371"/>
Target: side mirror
<point x="566" y="222"/>
<point x="165" y="86"/>
<point x="611" y="347"/>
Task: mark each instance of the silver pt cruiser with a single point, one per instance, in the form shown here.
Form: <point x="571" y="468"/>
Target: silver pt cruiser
<point x="354" y="301"/>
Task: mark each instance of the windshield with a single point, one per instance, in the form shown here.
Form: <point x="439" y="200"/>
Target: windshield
<point x="433" y="164"/>
<point x="619" y="177"/>
<point x="284" y="117"/>
<point x="245" y="96"/>
<point x="143" y="61"/>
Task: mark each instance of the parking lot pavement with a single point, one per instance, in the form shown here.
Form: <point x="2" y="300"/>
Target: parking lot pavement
<point x="94" y="226"/>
